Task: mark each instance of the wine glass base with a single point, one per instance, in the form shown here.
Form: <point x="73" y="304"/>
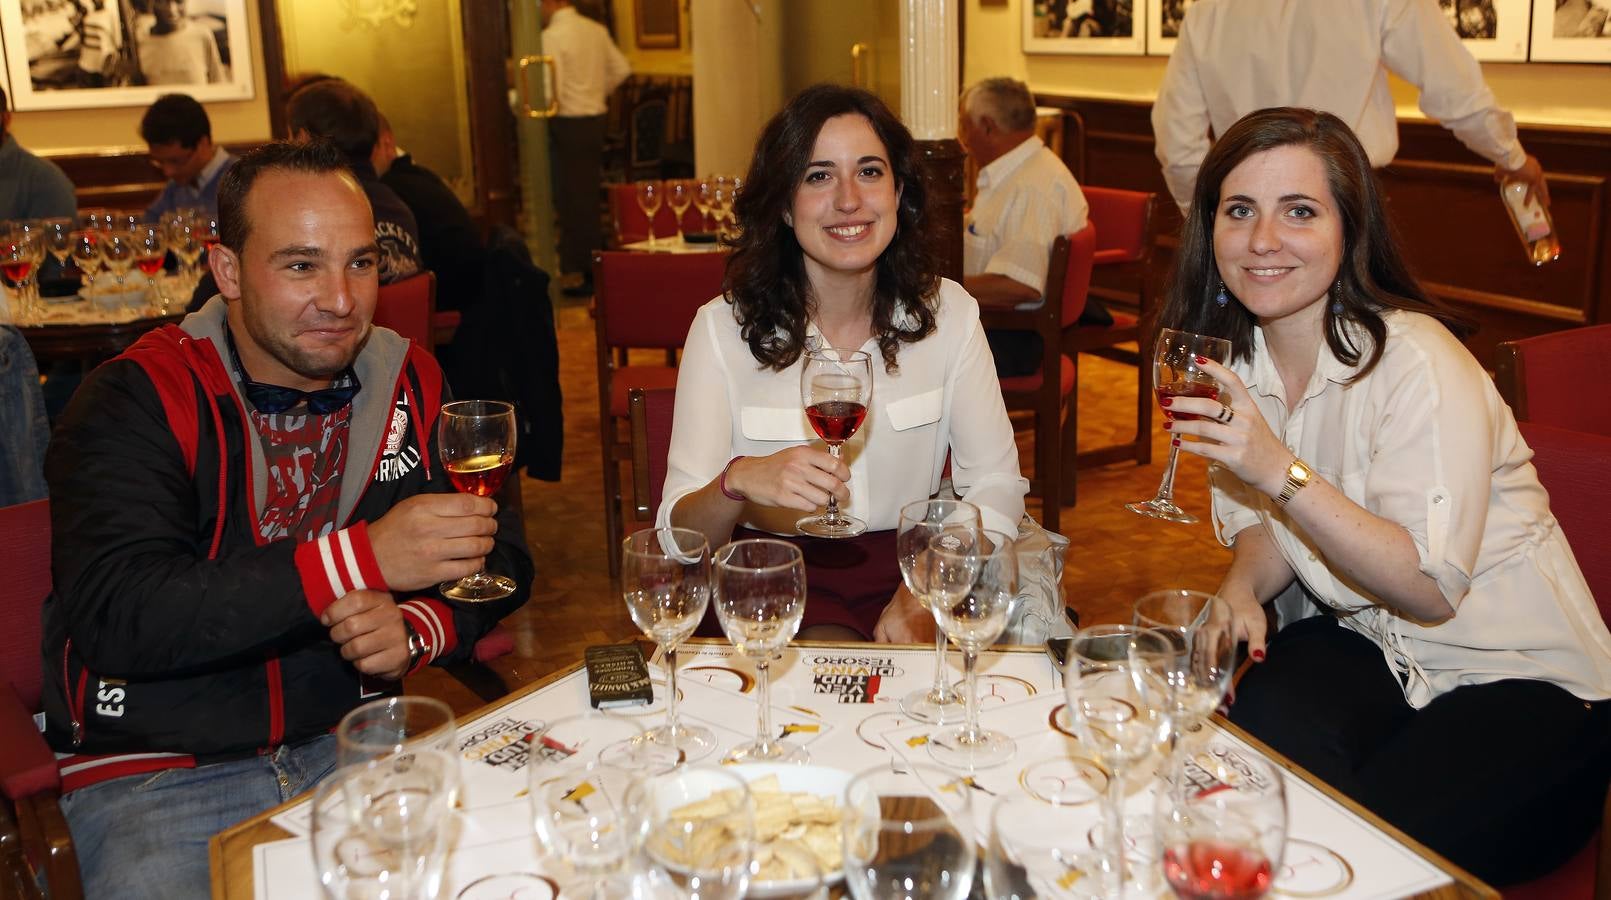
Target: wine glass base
<point x="956" y="748"/>
<point x="824" y="527"/>
<point x="641" y="754"/>
<point x="692" y="742"/>
<point x="478" y="588"/>
<point x="1161" y="508"/>
<point x="934" y="707"/>
<point x="773" y="752"/>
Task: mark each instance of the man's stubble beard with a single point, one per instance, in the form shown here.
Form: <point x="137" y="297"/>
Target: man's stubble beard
<point x="293" y="357"/>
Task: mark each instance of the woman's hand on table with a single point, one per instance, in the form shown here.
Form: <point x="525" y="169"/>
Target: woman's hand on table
<point x="904" y="621"/>
<point x="1245" y="445"/>
<point x="797" y="478"/>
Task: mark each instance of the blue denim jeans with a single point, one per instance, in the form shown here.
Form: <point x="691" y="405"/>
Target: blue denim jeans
<point x="24" y="430"/>
<point x="145" y="836"/>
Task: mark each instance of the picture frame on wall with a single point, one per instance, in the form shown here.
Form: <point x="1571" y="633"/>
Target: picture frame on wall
<point x="1571" y="31"/>
<point x="1085" y="27"/>
<point x="659" y="24"/>
<point x="99" y="53"/>
<point x="1493" y="30"/>
<point x="1164" y="18"/>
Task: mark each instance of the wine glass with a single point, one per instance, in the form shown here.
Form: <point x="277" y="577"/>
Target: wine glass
<point x="579" y="814"/>
<point x="1039" y="848"/>
<point x="679" y="196"/>
<point x="477" y="439"/>
<point x="390" y="725"/>
<point x="705" y="198"/>
<point x="1175" y="373"/>
<point x="18" y="261"/>
<point x="96" y="219"/>
<point x="906" y="840"/>
<point x="760" y="599"/>
<point x="835" y="388"/>
<point x="185" y="240"/>
<point x="150" y="252"/>
<point x="57" y="235"/>
<point x="86" y="252"/>
<point x="118" y="252"/>
<point x="665" y="578"/>
<point x="1117" y="682"/>
<point x="207" y="227"/>
<point x="696" y="826"/>
<point x="594" y="736"/>
<point x="1198" y="629"/>
<point x="650" y="196"/>
<point x="382" y="831"/>
<point x="921" y="521"/>
<point x="1224" y="836"/>
<point x="973" y="620"/>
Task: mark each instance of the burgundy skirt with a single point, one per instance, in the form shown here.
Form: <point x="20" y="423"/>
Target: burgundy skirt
<point x="849" y="581"/>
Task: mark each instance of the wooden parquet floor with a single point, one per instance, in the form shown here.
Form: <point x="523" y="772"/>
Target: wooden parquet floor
<point x="1115" y="557"/>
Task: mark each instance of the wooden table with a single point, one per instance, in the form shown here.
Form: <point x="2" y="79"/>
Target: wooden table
<point x="231" y="851"/>
<point x="94" y="342"/>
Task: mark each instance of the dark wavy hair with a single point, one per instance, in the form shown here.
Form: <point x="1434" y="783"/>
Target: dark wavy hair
<point x="766" y="278"/>
<point x="1372" y="276"/>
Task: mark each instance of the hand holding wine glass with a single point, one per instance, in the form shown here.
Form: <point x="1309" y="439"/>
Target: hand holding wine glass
<point x="665" y="578"/>
<point x="835" y="388"/>
<point x="477" y="445"/>
<point x="1176" y="373"/>
<point x="760" y="600"/>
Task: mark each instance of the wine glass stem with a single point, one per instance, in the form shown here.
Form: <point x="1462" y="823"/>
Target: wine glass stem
<point x="1113" y="811"/>
<point x="670" y="654"/>
<point x="763" y="724"/>
<point x="969" y="684"/>
<point x="832" y="516"/>
<point x="1166" y="486"/>
<point x="942" y="690"/>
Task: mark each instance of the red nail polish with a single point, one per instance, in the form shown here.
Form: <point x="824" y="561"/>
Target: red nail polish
<point x="1166" y="401"/>
<point x="1175" y="442"/>
<point x="1258" y="656"/>
<point x="1169" y="425"/>
<point x="1201" y="360"/>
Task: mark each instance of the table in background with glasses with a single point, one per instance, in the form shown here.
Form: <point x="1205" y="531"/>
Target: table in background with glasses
<point x="839" y="705"/>
<point x="75" y="328"/>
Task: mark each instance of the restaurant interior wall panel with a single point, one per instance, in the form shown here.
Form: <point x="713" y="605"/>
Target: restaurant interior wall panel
<point x="1443" y="201"/>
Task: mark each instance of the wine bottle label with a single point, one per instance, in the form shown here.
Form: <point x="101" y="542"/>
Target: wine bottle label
<point x="1528" y="214"/>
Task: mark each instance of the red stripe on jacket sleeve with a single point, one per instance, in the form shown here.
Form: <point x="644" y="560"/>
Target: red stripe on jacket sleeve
<point x="335" y="564"/>
<point x="433" y="619"/>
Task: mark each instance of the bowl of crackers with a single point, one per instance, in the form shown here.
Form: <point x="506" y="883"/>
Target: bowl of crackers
<point x="796" y="808"/>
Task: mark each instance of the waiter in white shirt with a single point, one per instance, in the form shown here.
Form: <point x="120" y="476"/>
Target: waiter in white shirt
<point x="1238" y="56"/>
<point x="588" y="67"/>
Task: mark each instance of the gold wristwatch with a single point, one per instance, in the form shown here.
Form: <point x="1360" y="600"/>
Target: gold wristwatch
<point x="1298" y="475"/>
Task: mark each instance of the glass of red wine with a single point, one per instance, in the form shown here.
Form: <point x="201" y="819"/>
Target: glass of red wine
<point x="476" y="441"/>
<point x="1223" y="835"/>
<point x="835" y="387"/>
<point x="20" y="255"/>
<point x="1175" y="373"/>
<point x="150" y="252"/>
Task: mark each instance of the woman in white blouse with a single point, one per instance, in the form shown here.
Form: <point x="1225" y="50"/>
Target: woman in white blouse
<point x="1455" y="680"/>
<point x="832" y="253"/>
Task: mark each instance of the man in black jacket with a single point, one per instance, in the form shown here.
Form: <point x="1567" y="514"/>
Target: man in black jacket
<point x="249" y="524"/>
<point x="450" y="242"/>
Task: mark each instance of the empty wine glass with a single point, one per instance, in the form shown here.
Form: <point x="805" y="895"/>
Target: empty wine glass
<point x="381" y="830"/>
<point x="185" y="240"/>
<point x="679" y="196"/>
<point x="57" y="235"/>
<point x="921" y="521"/>
<point x="477" y="445"/>
<point x="907" y="835"/>
<point x="580" y="815"/>
<point x="665" y="578"/>
<point x="118" y="253"/>
<point x="973" y="620"/>
<point x="696" y="827"/>
<point x="760" y="599"/>
<point x="1225" y="835"/>
<point x="96" y="219"/>
<point x="1117" y="684"/>
<point x="1198" y="629"/>
<point x="1039" y="849"/>
<point x="594" y="736"/>
<point x="650" y="196"/>
<point x="1175" y="373"/>
<point x="390" y="725"/>
<point x="705" y="198"/>
<point x="835" y="388"/>
<point x="86" y="252"/>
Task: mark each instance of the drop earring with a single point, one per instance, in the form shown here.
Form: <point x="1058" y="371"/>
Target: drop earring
<point x="1336" y="299"/>
<point x="1222" y="298"/>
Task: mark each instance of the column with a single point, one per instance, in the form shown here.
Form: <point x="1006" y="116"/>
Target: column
<point x="930" y="57"/>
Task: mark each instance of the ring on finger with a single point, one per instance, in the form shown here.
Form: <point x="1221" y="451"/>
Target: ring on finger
<point x="1226" y="414"/>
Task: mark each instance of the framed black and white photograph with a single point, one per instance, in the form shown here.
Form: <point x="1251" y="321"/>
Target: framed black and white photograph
<point x="1493" y="30"/>
<point x="1092" y="27"/>
<point x="76" y="54"/>
<point x="1163" y="24"/>
<point x="1571" y="31"/>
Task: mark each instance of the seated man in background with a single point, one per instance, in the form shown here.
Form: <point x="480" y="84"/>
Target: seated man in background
<point x="273" y="561"/>
<point x="30" y="187"/>
<point x="336" y="111"/>
<point x="450" y="242"/>
<point x="179" y="140"/>
<point x="1026" y="198"/>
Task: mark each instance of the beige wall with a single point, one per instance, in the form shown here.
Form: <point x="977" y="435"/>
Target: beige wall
<point x="115" y="129"/>
<point x="738" y="80"/>
<point x="679" y="61"/>
<point x="1536" y="93"/>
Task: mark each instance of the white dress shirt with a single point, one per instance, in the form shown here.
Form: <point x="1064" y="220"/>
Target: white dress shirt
<point x="945" y="396"/>
<point x="1426" y="441"/>
<point x="1238" y="56"/>
<point x="587" y="64"/>
<point x="1026" y="198"/>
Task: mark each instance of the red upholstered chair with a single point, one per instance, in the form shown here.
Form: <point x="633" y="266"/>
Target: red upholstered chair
<point x="408" y="306"/>
<point x="1549" y="379"/>
<point x="631" y="225"/>
<point x="31" y="822"/>
<point x="1123" y="221"/>
<point x="1572" y="465"/>
<point x="1068" y="280"/>
<point x="650" y="415"/>
<point x="641" y="301"/>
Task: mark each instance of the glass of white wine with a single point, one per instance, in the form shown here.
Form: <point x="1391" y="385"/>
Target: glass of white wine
<point x="476" y="441"/>
<point x="665" y="579"/>
<point x="760" y="599"/>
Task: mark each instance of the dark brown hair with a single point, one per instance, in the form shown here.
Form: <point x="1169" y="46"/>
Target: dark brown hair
<point x="766" y="279"/>
<point x="312" y="157"/>
<point x="1372" y="275"/>
<point x="338" y="112"/>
